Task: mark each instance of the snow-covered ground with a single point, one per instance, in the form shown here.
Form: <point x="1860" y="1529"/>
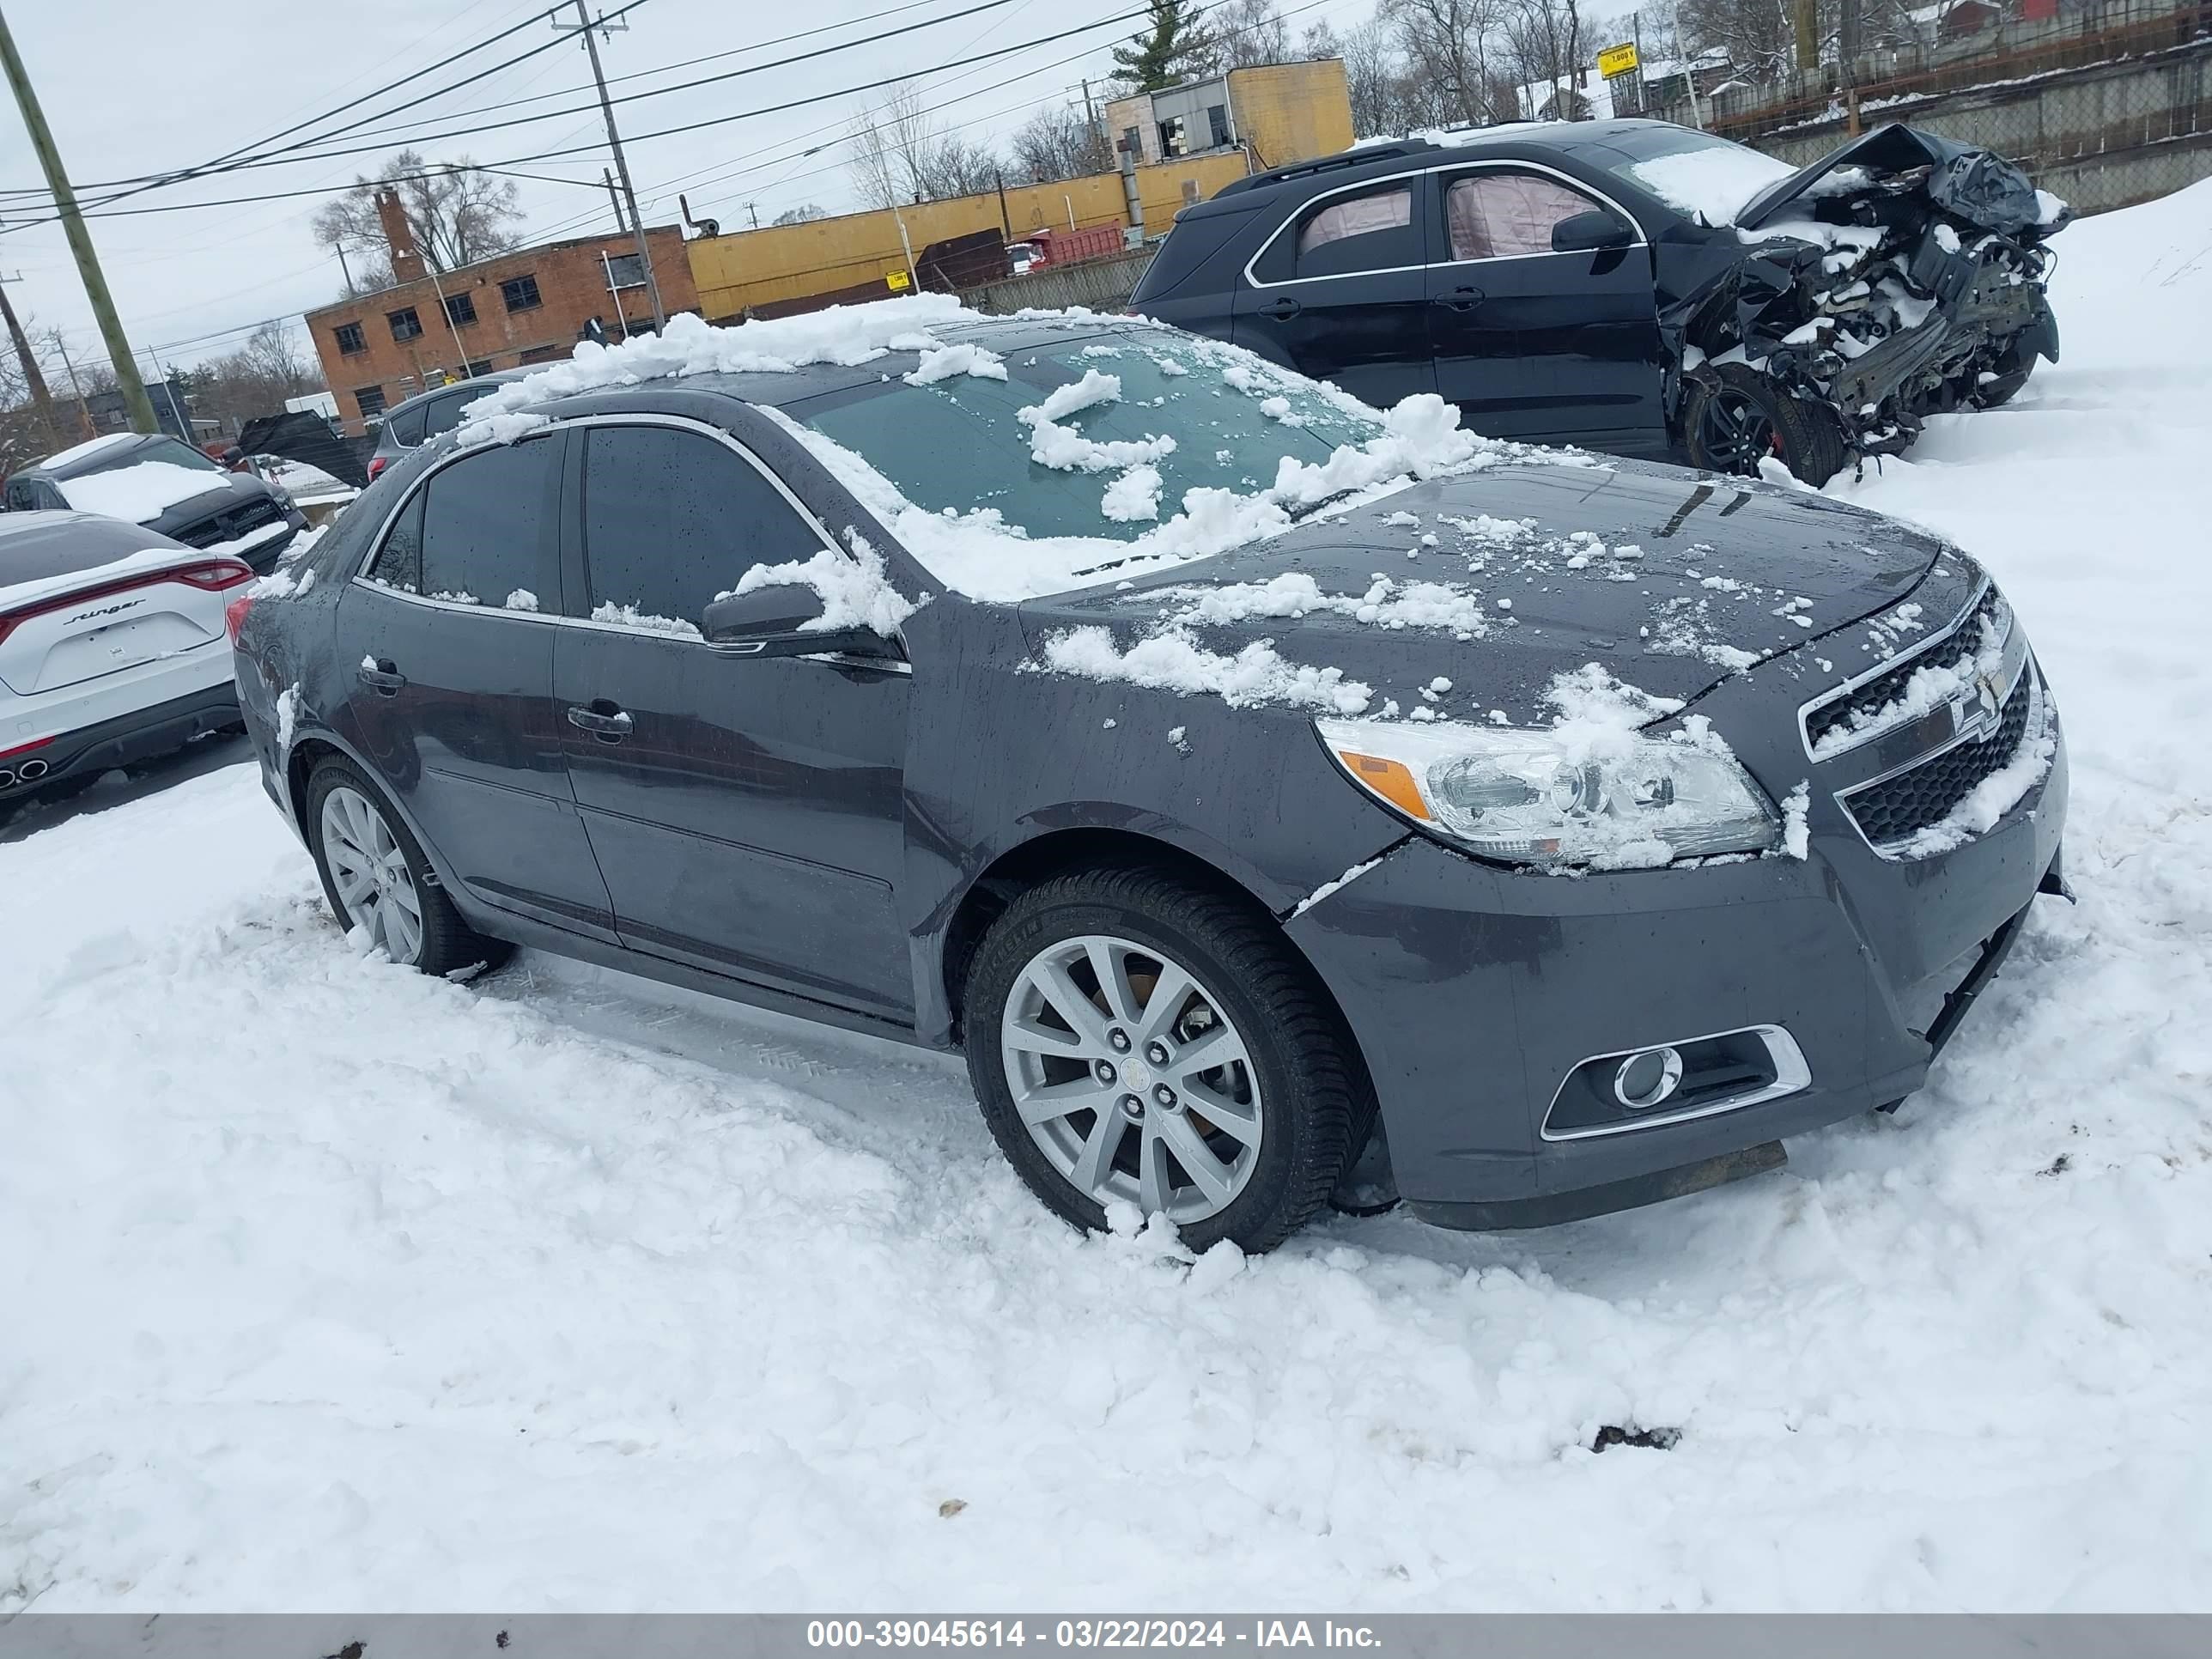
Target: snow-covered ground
<point x="327" y="1285"/>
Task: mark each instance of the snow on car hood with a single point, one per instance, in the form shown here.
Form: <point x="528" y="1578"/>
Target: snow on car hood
<point x="141" y="494"/>
<point x="1465" y="598"/>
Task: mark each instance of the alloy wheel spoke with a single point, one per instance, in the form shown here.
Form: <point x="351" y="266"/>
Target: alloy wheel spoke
<point x="1033" y="1038"/>
<point x="1219" y="1046"/>
<point x="1110" y="966"/>
<point x="1154" y="1190"/>
<point x="1097" y="1161"/>
<point x="1053" y="1101"/>
<point x="1234" y="1119"/>
<point x="1169" y="992"/>
<point x="1214" y="1178"/>
<point x="1068" y="999"/>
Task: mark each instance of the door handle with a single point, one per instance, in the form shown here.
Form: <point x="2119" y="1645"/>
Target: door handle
<point x="602" y="719"/>
<point x="1280" y="310"/>
<point x="379" y="673"/>
<point x="1460" y="299"/>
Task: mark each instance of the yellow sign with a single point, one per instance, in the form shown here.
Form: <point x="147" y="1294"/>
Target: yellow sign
<point x="1616" y="60"/>
<point x="897" y="280"/>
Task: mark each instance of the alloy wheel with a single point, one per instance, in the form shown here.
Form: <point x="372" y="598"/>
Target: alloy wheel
<point x="1130" y="1079"/>
<point x="369" y="869"/>
<point x="1735" y="433"/>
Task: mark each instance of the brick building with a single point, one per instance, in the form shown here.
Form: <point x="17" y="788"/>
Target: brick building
<point x="525" y="306"/>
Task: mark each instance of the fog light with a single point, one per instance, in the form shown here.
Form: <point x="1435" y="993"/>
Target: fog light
<point x="1645" y="1079"/>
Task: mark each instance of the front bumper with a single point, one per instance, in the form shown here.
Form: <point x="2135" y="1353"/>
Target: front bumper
<point x="1475" y="991"/>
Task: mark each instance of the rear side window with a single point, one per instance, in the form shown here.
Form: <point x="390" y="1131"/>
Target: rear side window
<point x="672" y="518"/>
<point x="475" y="533"/>
<point x="1374" y="230"/>
<point x="445" y="413"/>
<point x="406" y="426"/>
<point x="1497" y="216"/>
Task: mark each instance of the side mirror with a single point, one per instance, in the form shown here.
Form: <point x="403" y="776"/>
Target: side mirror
<point x="1587" y="233"/>
<point x="772" y="622"/>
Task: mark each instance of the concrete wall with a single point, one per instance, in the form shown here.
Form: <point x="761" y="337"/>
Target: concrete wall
<point x="2102" y="135"/>
<point x="778" y="262"/>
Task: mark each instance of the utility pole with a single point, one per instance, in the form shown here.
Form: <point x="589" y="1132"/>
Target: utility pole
<point x="621" y="165"/>
<point x="614" y="199"/>
<point x="32" y="378"/>
<point x="753" y="213"/>
<point x="135" y="400"/>
<point x="76" y="386"/>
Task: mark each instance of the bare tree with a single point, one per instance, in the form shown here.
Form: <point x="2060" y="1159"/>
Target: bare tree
<point x="273" y="364"/>
<point x="1544" y="39"/>
<point x="805" y="213"/>
<point x="1452" y="49"/>
<point x="1244" y="33"/>
<point x="900" y="155"/>
<point x="1058" y="142"/>
<point x="459" y="213"/>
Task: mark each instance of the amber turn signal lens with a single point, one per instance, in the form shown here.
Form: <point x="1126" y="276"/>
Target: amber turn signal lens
<point x="1389" y="779"/>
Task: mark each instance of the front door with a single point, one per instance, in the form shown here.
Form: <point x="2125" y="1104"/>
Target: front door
<point x="1553" y="347"/>
<point x="1337" y="294"/>
<point x="748" y="813"/>
<point x="449" y="647"/>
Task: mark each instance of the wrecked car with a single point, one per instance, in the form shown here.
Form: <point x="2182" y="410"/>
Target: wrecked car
<point x="1636" y="287"/>
<point x="1270" y="797"/>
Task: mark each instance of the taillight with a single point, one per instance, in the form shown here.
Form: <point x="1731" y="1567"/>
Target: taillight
<point x="24" y="748"/>
<point x="376" y="465"/>
<point x="210" y="576"/>
<point x="234" y="616"/>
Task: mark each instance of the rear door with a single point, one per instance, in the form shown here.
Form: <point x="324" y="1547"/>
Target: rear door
<point x="449" y="636"/>
<point x="1339" y="292"/>
<point x="1537" y="345"/>
<point x="748" y="812"/>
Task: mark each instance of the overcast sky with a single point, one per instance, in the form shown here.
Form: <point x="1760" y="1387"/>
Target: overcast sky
<point x="134" y="87"/>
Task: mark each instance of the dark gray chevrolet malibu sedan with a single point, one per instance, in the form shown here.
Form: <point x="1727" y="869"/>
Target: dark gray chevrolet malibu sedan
<point x="1253" y="784"/>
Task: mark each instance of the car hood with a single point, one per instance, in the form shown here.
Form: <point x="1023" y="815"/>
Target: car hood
<point x="1500" y="579"/>
<point x="1979" y="185"/>
<point x="231" y="490"/>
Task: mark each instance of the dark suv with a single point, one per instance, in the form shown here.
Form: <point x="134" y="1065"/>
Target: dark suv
<point x="426" y="414"/>
<point x="169" y="487"/>
<point x="1635" y="287"/>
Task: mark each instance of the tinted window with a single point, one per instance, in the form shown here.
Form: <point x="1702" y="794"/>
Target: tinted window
<point x="1496" y="216"/>
<point x="398" y="562"/>
<point x="167" y="451"/>
<point x="482" y="527"/>
<point x="672" y="518"/>
<point x="405" y="427"/>
<point x="444" y="414"/>
<point x="1371" y="231"/>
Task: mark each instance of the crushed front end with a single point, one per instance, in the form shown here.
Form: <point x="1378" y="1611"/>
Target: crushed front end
<point x="1903" y="276"/>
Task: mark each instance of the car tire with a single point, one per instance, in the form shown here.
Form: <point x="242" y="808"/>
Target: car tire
<point x="2012" y="367"/>
<point x="1734" y="412"/>
<point x="1291" y="1086"/>
<point x="375" y="876"/>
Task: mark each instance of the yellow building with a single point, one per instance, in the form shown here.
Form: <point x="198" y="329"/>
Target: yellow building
<point x="1278" y="114"/>
<point x="1191" y="141"/>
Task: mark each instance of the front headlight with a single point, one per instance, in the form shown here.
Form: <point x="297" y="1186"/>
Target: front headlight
<point x="1623" y="801"/>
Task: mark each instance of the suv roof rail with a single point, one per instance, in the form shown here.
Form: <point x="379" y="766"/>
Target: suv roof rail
<point x="1394" y="150"/>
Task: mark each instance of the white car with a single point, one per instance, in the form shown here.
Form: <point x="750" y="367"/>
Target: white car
<point x="112" y="646"/>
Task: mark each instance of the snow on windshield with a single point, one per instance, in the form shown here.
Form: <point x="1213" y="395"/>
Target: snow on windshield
<point x="1713" y="183"/>
<point x="1007" y="488"/>
<point x="140" y="494"/>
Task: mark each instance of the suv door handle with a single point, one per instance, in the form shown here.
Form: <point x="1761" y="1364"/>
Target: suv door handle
<point x="1460" y="299"/>
<point x="380" y="672"/>
<point x="602" y="719"/>
<point x="1280" y="310"/>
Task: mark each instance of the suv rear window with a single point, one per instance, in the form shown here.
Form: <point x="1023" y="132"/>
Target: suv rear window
<point x="405" y="427"/>
<point x="445" y="413"/>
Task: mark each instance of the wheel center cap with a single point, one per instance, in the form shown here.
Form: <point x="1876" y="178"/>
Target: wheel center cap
<point x="1136" y="1074"/>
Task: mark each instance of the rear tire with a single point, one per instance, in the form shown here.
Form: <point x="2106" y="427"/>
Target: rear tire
<point x="375" y="876"/>
<point x="1734" y="416"/>
<point x="1245" y="1149"/>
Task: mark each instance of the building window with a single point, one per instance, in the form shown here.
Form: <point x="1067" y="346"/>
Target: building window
<point x="370" y="401"/>
<point x="351" y="339"/>
<point x="460" y="308"/>
<point x="405" y="324"/>
<point x="549" y="354"/>
<point x="481" y="368"/>
<point x="1216" y="116"/>
<point x="520" y="293"/>
<point x="626" y="271"/>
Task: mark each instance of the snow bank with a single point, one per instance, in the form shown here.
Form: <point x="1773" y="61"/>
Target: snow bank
<point x="140" y="494"/>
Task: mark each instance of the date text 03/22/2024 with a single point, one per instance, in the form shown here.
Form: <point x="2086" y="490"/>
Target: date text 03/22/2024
<point x="1076" y="1633"/>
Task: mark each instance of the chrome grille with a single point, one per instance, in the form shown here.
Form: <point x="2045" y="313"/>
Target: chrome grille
<point x="1897" y="808"/>
<point x="1858" y="711"/>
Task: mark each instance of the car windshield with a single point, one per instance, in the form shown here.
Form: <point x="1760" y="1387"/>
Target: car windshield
<point x="1132" y="422"/>
<point x="1698" y="173"/>
<point x="167" y="451"/>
